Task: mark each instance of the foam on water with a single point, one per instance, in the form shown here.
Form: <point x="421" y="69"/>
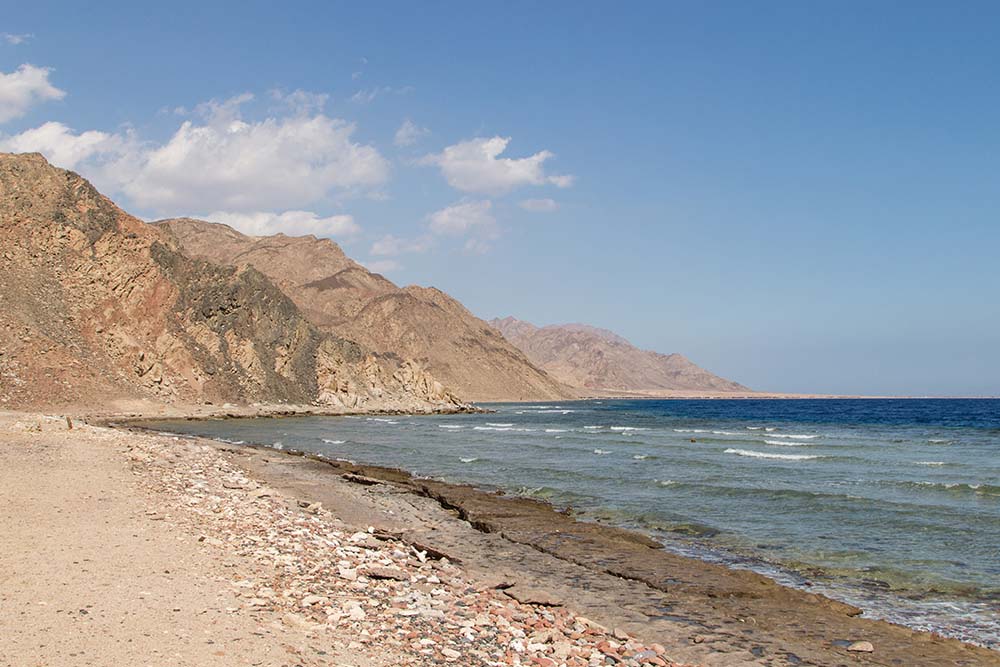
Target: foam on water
<point x="766" y="455"/>
<point x="451" y="426"/>
<point x="602" y="451"/>
<point x="555" y="430"/>
<point x="470" y="459"/>
<point x="334" y="442"/>
<point x="785" y="443"/>
<point x="628" y="428"/>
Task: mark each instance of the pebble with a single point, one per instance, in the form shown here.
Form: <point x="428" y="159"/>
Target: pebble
<point x="861" y="647"/>
<point x="314" y="574"/>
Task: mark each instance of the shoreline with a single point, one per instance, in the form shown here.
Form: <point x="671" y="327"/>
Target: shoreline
<point x="700" y="594"/>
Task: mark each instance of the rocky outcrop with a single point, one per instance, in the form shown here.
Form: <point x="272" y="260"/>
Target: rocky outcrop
<point x="340" y="296"/>
<point x="96" y="305"/>
<point x="601" y="361"/>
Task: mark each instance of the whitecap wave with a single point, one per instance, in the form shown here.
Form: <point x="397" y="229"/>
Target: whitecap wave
<point x="929" y="463"/>
<point x="555" y="430"/>
<point x="785" y="443"/>
<point x="499" y="424"/>
<point x="469" y="460"/>
<point x="640" y="457"/>
<point x="692" y="430"/>
<point x="794" y="436"/>
<point x="451" y="426"/>
<point x="628" y="428"/>
<point x="766" y="455"/>
<point x="334" y="442"/>
<point x="592" y="427"/>
<point x="382" y="420"/>
<point x="602" y="451"/>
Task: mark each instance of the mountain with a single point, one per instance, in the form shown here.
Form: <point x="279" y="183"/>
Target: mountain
<point x="600" y="361"/>
<point x="340" y="296"/>
<point x="98" y="307"/>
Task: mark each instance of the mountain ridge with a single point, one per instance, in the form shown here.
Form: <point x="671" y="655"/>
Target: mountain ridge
<point x="340" y="296"/>
<point x="599" y="360"/>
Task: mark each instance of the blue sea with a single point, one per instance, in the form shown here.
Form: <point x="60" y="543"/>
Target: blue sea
<point x="891" y="505"/>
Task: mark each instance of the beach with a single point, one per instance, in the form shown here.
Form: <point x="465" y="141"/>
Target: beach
<point x="159" y="549"/>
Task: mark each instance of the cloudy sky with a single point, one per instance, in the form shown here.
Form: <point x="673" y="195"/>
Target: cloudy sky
<point x="799" y="197"/>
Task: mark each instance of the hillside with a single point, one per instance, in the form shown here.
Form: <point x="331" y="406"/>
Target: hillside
<point x="98" y="308"/>
<point x="340" y="296"/>
<point x="601" y="361"/>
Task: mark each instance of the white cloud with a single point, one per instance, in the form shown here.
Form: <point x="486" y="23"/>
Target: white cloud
<point x="301" y="101"/>
<point x="539" y="205"/>
<point x="383" y="266"/>
<point x="390" y="246"/>
<point x="462" y="217"/>
<point x="476" y="166"/>
<point x="366" y="95"/>
<point x="58" y="143"/>
<point x="292" y="223"/>
<point x="221" y="162"/>
<point x="14" y="39"/>
<point x="409" y="133"/>
<point x="24" y="88"/>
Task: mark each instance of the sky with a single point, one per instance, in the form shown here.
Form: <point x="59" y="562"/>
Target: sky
<point x="802" y="197"/>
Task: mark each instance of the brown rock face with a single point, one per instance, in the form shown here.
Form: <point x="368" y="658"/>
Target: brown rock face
<point x="340" y="296"/>
<point x="96" y="305"/>
<point x="602" y="361"/>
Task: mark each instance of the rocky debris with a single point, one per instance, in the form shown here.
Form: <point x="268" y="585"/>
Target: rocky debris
<point x="861" y="647"/>
<point x="374" y="592"/>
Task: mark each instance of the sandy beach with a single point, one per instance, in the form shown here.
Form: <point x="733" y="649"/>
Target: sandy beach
<point x="126" y="546"/>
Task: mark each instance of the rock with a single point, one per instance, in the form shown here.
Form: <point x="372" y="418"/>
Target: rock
<point x="861" y="647"/>
<point x="382" y="572"/>
<point x="526" y="594"/>
<point x="450" y="653"/>
<point x="311" y="600"/>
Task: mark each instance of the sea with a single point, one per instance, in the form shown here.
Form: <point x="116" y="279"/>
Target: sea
<point x="890" y="505"/>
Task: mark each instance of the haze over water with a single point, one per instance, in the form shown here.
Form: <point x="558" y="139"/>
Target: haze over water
<point x="893" y="505"/>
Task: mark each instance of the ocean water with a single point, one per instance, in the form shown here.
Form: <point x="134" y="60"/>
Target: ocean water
<point x="892" y="505"/>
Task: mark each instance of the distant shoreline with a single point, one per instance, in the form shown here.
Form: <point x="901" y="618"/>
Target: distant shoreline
<point x="774" y="396"/>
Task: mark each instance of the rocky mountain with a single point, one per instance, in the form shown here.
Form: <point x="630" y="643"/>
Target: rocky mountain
<point x="97" y="306"/>
<point x="340" y="296"/>
<point x="600" y="361"/>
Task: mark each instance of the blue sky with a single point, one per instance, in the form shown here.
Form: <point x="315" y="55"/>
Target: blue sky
<point x="799" y="196"/>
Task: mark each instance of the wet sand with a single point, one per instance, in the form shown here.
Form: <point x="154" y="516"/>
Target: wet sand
<point x="705" y="613"/>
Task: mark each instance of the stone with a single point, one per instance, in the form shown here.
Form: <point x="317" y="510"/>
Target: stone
<point x="450" y="653"/>
<point x="861" y="647"/>
<point x="381" y="572"/>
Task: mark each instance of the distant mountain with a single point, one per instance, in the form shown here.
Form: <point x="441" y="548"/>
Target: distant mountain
<point x="98" y="307"/>
<point x="340" y="296"/>
<point x="601" y="361"/>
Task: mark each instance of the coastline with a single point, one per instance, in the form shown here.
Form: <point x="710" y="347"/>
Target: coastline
<point x="653" y="593"/>
<point x="512" y="550"/>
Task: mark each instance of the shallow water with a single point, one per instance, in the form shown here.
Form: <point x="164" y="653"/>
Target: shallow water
<point x="893" y="505"/>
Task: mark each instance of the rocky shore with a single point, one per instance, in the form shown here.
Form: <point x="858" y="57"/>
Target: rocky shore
<point x="153" y="549"/>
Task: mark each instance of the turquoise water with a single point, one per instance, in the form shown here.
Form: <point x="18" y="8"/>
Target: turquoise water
<point x="893" y="505"/>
